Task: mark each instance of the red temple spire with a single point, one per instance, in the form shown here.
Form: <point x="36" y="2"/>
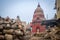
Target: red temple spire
<point x="36" y="21"/>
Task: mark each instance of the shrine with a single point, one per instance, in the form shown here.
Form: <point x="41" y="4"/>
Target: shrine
<point x="36" y="21"/>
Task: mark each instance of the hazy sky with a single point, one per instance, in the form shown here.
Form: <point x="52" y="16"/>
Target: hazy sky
<point x="25" y="8"/>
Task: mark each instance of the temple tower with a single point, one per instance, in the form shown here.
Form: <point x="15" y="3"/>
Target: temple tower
<point x="36" y="21"/>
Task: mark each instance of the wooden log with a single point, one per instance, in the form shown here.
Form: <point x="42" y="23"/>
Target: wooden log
<point x="10" y="31"/>
<point x="18" y="32"/>
<point x="1" y="33"/>
<point x="16" y="39"/>
<point x="8" y="37"/>
<point x="6" y="27"/>
<point x="1" y="27"/>
<point x="14" y="27"/>
<point x="1" y="30"/>
<point x="1" y="37"/>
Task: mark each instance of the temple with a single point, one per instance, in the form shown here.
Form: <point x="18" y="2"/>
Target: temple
<point x="36" y="21"/>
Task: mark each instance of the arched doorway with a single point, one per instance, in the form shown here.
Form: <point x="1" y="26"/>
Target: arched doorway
<point x="37" y="30"/>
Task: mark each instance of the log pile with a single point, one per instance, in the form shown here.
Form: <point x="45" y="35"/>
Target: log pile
<point x="10" y="31"/>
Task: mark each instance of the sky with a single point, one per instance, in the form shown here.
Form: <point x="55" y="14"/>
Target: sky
<point x="25" y="8"/>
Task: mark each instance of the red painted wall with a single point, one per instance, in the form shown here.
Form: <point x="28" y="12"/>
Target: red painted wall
<point x="38" y="25"/>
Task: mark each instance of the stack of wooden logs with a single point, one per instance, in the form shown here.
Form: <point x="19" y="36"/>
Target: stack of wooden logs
<point x="10" y="32"/>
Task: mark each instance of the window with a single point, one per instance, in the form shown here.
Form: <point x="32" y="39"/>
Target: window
<point x="58" y="8"/>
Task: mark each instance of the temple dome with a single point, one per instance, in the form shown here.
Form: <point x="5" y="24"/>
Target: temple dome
<point x="38" y="9"/>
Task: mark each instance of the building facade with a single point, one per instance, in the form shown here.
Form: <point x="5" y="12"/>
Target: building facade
<point x="57" y="7"/>
<point x="36" y="21"/>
